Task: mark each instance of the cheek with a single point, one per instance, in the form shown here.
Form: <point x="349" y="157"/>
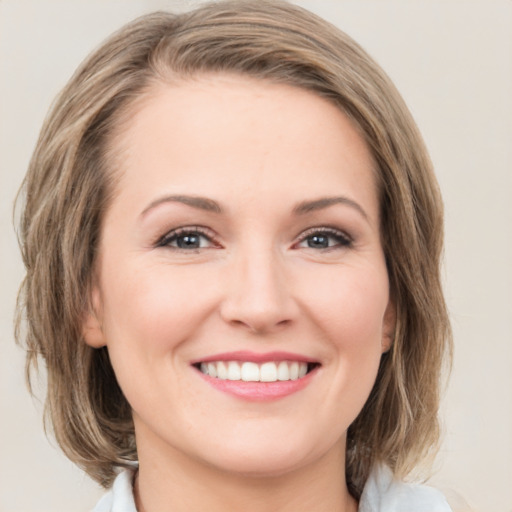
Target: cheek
<point x="155" y="308"/>
<point x="350" y="308"/>
<point x="350" y="303"/>
<point x="149" y="313"/>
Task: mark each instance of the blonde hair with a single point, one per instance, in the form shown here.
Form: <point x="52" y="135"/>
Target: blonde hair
<point x="70" y="182"/>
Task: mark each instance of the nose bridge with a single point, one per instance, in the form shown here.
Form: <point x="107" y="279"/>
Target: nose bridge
<point x="258" y="291"/>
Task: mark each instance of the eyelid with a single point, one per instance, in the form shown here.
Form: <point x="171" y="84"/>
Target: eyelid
<point x="326" y="230"/>
<point x="163" y="241"/>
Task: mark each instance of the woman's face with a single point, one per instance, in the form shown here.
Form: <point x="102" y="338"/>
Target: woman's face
<point x="242" y="249"/>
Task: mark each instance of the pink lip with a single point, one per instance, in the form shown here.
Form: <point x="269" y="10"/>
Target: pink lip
<point x="254" y="357"/>
<point x="259" y="391"/>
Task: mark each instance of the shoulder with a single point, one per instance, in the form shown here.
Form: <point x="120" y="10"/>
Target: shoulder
<point x="383" y="493"/>
<point x="120" y="497"/>
<point x="456" y="501"/>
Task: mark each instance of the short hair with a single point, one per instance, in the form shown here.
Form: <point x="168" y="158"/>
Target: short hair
<point x="71" y="180"/>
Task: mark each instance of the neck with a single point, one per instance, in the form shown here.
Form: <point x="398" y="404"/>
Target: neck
<point x="178" y="483"/>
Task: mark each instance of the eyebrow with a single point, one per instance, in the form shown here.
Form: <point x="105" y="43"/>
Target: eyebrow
<point x="201" y="203"/>
<point x="324" y="202"/>
<point x="302" y="208"/>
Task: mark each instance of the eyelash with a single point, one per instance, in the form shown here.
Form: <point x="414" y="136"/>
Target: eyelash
<point x="173" y="235"/>
<point x="341" y="238"/>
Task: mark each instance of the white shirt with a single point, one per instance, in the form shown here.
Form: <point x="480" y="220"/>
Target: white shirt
<point x="382" y="493"/>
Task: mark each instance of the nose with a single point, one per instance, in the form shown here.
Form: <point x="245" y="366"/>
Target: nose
<point x="258" y="293"/>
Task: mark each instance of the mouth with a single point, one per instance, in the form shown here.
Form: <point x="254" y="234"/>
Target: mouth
<point x="251" y="371"/>
<point x="255" y="376"/>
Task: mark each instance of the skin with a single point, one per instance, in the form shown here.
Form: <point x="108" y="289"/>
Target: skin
<point x="257" y="282"/>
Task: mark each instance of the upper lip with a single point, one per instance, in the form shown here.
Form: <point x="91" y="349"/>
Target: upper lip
<point x="255" y="357"/>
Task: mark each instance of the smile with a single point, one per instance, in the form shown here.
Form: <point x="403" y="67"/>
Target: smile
<point x="255" y="376"/>
<point x="248" y="371"/>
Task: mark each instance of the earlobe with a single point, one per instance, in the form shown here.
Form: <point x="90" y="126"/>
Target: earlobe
<point x="92" y="328"/>
<point x="388" y="327"/>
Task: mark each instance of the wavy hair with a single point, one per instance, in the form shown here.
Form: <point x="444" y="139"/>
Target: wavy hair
<point x="70" y="183"/>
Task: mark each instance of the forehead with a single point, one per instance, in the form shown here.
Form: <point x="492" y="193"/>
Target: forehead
<point x="240" y="131"/>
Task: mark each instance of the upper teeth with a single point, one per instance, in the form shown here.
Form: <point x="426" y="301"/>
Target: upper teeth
<point x="254" y="372"/>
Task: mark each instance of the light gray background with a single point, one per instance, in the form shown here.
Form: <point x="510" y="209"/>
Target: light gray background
<point x="452" y="61"/>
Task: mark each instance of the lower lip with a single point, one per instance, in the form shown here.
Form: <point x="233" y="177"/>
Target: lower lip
<point x="260" y="391"/>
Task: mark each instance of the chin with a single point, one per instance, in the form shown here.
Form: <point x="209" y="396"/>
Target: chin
<point x="262" y="458"/>
<point x="261" y="465"/>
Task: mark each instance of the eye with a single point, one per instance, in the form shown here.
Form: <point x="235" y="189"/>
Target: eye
<point x="187" y="239"/>
<point x="324" y="238"/>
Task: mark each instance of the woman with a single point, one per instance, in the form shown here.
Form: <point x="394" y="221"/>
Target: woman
<point x="232" y="236"/>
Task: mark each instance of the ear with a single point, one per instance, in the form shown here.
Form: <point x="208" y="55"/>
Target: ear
<point x="92" y="327"/>
<point x="388" y="326"/>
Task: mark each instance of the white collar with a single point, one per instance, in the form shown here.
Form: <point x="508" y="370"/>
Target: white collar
<point x="120" y="497"/>
<point x="382" y="493"/>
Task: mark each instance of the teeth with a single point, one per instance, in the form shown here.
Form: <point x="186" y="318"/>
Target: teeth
<point x="250" y="372"/>
<point x="283" y="373"/>
<point x="253" y="372"/>
<point x="294" y="371"/>
<point x="212" y="369"/>
<point x="268" y="372"/>
<point x="222" y="371"/>
<point x="234" y="371"/>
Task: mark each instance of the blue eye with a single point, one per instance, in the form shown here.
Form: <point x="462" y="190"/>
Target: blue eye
<point x="185" y="239"/>
<point x="324" y="239"/>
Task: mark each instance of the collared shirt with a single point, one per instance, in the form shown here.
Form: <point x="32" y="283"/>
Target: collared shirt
<point x="382" y="493"/>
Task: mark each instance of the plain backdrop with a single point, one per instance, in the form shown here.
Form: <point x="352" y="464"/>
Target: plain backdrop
<point x="452" y="61"/>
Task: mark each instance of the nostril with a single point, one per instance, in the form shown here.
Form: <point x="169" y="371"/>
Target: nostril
<point x="258" y="323"/>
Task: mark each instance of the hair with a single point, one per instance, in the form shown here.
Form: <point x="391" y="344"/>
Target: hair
<point x="70" y="183"/>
